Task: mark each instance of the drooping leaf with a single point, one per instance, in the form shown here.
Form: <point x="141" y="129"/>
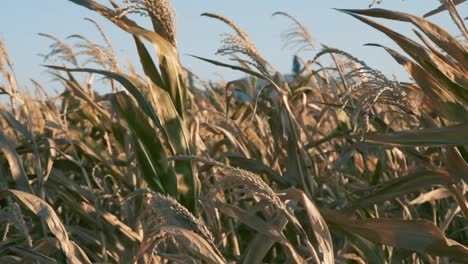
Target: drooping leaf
<point x="234" y="67"/>
<point x="16" y="124"/>
<point x="430" y="137"/>
<point x="437" y="194"/>
<point x="99" y="217"/>
<point x="31" y="254"/>
<point x="446" y="103"/>
<point x="45" y="212"/>
<point x="371" y="252"/>
<point x="317" y="223"/>
<point x="438" y="35"/>
<point x="261" y="243"/>
<point x="131" y="84"/>
<point x="170" y="67"/>
<point x="418" y="235"/>
<point x="442" y="8"/>
<point x="196" y="245"/>
<point x="403" y="185"/>
<point x="161" y="110"/>
<point x="16" y="166"/>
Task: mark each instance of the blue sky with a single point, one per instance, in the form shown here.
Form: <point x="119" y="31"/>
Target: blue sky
<point x="21" y="20"/>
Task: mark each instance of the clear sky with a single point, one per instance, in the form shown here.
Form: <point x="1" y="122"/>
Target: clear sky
<point x="21" y="20"/>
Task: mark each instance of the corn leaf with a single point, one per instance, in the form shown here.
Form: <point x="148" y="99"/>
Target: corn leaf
<point x="16" y="166"/>
<point x="434" y="195"/>
<point x="170" y="67"/>
<point x="442" y="8"/>
<point x="173" y="129"/>
<point x="431" y="137"/>
<point x="438" y="35"/>
<point x="196" y="245"/>
<point x="45" y="212"/>
<point x="403" y="185"/>
<point x="317" y="223"/>
<point x="151" y="154"/>
<point x="446" y="103"/>
<point x="418" y="235"/>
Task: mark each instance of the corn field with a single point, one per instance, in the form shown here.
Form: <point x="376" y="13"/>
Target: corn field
<point x="337" y="163"/>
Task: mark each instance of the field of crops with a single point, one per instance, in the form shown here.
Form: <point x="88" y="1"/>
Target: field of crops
<point x="335" y="163"/>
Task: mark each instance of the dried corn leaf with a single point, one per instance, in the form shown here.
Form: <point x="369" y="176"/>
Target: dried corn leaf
<point x="442" y="8"/>
<point x="317" y="223"/>
<point x="430" y="137"/>
<point x="403" y="185"/>
<point x="196" y="245"/>
<point x="418" y="235"/>
<point x="16" y="165"/>
<point x="437" y="194"/>
<point x="45" y="212"/>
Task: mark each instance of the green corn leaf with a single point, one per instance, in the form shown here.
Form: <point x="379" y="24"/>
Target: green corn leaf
<point x="151" y="154"/>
